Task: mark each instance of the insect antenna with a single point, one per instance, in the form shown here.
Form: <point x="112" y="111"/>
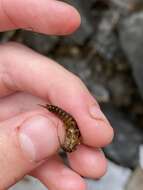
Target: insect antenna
<point x="42" y="105"/>
<point x="61" y="145"/>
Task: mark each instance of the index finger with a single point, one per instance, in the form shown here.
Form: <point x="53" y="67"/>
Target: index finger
<point x="44" y="16"/>
<point x="24" y="70"/>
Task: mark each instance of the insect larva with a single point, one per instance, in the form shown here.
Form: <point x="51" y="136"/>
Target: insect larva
<point x="72" y="136"/>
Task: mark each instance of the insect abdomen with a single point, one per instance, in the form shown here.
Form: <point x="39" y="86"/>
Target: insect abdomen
<point x="72" y="137"/>
<point x="64" y="116"/>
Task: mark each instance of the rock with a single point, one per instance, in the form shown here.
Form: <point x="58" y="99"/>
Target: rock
<point x="124" y="149"/>
<point x="81" y="68"/>
<point x="76" y="65"/>
<point x="115" y="179"/>
<point x="99" y="92"/>
<point x="136" y="180"/>
<point x="105" y="41"/>
<point x="141" y="156"/>
<point x="131" y="37"/>
<point x="103" y="16"/>
<point x="28" y="183"/>
<point x="7" y="36"/>
<point x="39" y="42"/>
<point x="85" y="30"/>
<point x="125" y="6"/>
<point x="121" y="90"/>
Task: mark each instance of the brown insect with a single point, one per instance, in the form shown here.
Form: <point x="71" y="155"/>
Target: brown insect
<point x="72" y="136"/>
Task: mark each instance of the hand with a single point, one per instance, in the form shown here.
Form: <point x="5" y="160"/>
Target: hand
<point x="28" y="133"/>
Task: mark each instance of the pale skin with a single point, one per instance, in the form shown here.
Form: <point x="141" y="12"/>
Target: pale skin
<point x="27" y="79"/>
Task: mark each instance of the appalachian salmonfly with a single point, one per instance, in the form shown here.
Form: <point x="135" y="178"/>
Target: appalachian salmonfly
<point x="72" y="135"/>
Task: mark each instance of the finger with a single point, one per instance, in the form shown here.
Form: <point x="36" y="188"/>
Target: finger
<point x="56" y="176"/>
<point x="17" y="103"/>
<point x="45" y="16"/>
<point x="44" y="78"/>
<point x="25" y="141"/>
<point x="91" y="164"/>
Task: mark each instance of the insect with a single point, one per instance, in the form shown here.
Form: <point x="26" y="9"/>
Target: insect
<point x="72" y="135"/>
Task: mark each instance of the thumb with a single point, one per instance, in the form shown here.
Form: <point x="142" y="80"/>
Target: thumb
<point x="25" y="141"/>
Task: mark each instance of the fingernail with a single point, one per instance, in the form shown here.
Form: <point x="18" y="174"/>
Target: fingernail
<point x="96" y="112"/>
<point x="103" y="126"/>
<point x="38" y="138"/>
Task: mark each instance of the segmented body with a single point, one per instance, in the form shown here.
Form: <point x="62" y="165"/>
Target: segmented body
<point x="72" y="137"/>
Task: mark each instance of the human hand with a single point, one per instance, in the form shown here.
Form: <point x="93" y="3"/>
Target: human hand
<point x="28" y="134"/>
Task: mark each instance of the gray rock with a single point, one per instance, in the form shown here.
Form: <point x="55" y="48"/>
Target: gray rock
<point x="120" y="89"/>
<point x="131" y="36"/>
<point x="81" y="68"/>
<point x="85" y="31"/>
<point x="28" y="183"/>
<point x="136" y="180"/>
<point x="141" y="156"/>
<point x="6" y="36"/>
<point x="124" y="149"/>
<point x="77" y="66"/>
<point x="105" y="40"/>
<point x="100" y="92"/>
<point x="125" y="6"/>
<point x="39" y="42"/>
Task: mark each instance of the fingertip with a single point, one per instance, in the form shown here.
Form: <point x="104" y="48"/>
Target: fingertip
<point x="71" y="21"/>
<point x="96" y="132"/>
<point x="102" y="165"/>
<point x="103" y="128"/>
<point x="92" y="164"/>
<point x="45" y="16"/>
<point x="74" y="182"/>
<point x="107" y="136"/>
<point x="102" y="136"/>
<point x="54" y="174"/>
<point x="75" y="21"/>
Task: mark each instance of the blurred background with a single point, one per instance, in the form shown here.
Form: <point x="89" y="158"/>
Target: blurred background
<point x="107" y="54"/>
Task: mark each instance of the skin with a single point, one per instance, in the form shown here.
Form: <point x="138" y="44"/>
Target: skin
<point x="23" y="87"/>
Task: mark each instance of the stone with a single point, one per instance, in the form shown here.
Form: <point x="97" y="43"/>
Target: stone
<point x="135" y="182"/>
<point x="105" y="41"/>
<point x="85" y="30"/>
<point x="124" y="149"/>
<point x="77" y="66"/>
<point x="99" y="92"/>
<point x="29" y="183"/>
<point x="141" y="156"/>
<point x="7" y="36"/>
<point x="39" y="42"/>
<point x="131" y="37"/>
<point x="81" y="68"/>
<point x="121" y="90"/>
